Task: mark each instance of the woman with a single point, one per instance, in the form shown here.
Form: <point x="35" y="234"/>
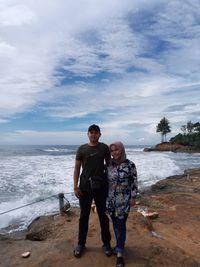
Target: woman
<point x="122" y="179"/>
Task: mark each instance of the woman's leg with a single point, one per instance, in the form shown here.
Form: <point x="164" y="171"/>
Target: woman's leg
<point x="119" y="226"/>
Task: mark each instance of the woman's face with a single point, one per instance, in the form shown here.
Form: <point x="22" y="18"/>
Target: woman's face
<point x="115" y="152"/>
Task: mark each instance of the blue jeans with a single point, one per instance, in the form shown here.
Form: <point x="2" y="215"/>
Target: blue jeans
<point x="119" y="226"/>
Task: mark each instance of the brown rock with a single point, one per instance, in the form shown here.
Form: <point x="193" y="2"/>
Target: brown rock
<point x="40" y="229"/>
<point x="167" y="146"/>
<point x="26" y="254"/>
<point x="152" y="215"/>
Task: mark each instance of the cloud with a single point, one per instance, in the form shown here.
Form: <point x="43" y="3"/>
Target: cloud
<point x="125" y="64"/>
<point x="3" y="121"/>
<point x="16" y="15"/>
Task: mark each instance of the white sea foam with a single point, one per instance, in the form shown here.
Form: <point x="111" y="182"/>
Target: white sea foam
<point x="58" y="150"/>
<point x="152" y="168"/>
<point x="28" y="179"/>
<point x="25" y="179"/>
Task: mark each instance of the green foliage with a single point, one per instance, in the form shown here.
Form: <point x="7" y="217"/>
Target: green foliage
<point x="190" y="136"/>
<point x="163" y="127"/>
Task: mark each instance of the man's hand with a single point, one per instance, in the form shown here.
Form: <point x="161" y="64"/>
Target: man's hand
<point x="77" y="192"/>
<point x="132" y="202"/>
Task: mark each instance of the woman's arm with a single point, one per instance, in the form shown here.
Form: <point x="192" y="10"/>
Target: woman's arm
<point x="134" y="181"/>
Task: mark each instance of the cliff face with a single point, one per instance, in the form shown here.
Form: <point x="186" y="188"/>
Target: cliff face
<point x="171" y="239"/>
<point x="167" y="146"/>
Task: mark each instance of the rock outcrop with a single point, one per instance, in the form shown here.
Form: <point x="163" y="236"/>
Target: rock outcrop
<point x="167" y="146"/>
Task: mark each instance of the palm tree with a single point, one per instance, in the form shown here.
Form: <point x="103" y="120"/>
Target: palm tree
<point x="163" y="127"/>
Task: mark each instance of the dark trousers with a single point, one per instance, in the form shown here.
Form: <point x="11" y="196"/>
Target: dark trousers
<point x="119" y="226"/>
<point x="85" y="201"/>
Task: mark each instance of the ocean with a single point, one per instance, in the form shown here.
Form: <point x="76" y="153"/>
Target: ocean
<point x="33" y="173"/>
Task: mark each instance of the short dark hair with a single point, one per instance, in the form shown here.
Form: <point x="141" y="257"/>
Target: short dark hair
<point x="94" y="127"/>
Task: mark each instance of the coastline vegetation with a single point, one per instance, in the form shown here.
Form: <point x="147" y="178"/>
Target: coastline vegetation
<point x="190" y="135"/>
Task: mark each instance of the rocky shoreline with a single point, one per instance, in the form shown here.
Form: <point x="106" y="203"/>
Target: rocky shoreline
<point x="167" y="146"/>
<point x="171" y="238"/>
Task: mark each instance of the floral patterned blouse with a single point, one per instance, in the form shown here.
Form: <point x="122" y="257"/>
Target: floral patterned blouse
<point x="122" y="181"/>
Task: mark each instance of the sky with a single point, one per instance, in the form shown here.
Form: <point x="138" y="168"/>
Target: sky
<point x="121" y="64"/>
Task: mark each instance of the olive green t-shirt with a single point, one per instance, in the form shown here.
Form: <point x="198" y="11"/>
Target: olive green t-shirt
<point x="92" y="162"/>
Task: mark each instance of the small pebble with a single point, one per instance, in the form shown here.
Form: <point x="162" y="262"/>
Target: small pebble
<point x="26" y="254"/>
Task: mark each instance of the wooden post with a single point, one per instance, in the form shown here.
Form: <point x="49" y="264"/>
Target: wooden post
<point x="61" y="203"/>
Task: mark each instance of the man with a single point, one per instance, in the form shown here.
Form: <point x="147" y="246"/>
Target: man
<point x="91" y="158"/>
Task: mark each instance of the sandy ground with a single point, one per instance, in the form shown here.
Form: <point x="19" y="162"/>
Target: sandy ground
<point x="172" y="239"/>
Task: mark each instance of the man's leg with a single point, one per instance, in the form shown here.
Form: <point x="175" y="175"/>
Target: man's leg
<point x="100" y="201"/>
<point x="85" y="206"/>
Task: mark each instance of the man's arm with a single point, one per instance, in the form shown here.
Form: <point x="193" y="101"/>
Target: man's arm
<point x="77" y="168"/>
<point x="107" y="157"/>
<point x="107" y="160"/>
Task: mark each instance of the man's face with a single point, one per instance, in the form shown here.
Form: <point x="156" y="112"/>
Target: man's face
<point x="94" y="136"/>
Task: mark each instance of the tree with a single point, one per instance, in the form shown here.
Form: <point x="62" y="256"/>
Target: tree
<point x="190" y="136"/>
<point x="163" y="127"/>
<point x="196" y="127"/>
<point x="184" y="129"/>
<point x="190" y="127"/>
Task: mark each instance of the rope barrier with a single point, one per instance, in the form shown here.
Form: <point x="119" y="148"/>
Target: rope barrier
<point x="56" y="195"/>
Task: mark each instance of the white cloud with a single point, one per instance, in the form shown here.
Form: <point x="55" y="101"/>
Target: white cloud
<point x="3" y="121"/>
<point x="16" y="15"/>
<point x="43" y="43"/>
<point x="6" y="50"/>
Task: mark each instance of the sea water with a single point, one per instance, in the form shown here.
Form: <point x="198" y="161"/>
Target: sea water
<point x="34" y="173"/>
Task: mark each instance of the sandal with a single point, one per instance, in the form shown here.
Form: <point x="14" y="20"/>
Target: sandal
<point x="120" y="262"/>
<point x="78" y="251"/>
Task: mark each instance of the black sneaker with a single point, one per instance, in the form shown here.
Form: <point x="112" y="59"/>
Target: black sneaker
<point x="107" y="250"/>
<point x="120" y="262"/>
<point x="78" y="251"/>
